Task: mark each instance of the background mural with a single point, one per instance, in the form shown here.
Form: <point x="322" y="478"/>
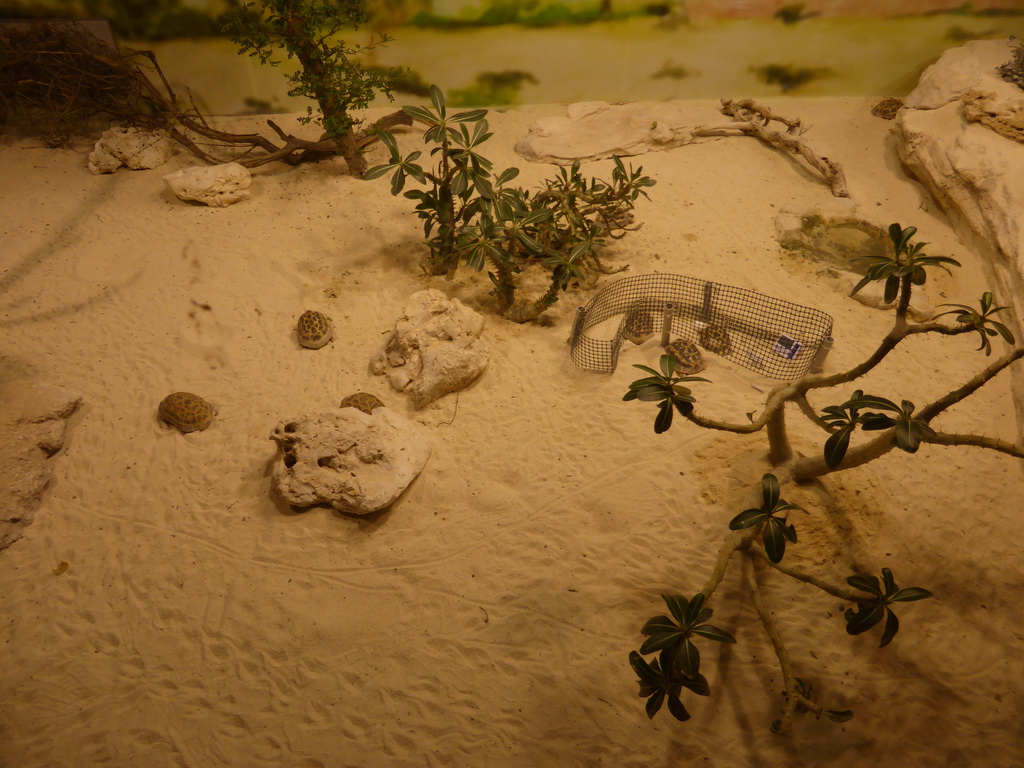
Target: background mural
<point x="511" y="52"/>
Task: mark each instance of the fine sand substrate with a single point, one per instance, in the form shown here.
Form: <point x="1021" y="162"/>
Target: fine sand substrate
<point x="486" y="618"/>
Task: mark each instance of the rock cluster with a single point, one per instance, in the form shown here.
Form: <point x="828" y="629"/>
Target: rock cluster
<point x="135" y="148"/>
<point x="434" y="349"/>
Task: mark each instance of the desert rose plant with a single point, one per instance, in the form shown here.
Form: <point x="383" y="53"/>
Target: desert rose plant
<point x="759" y="536"/>
<point x="471" y="214"/>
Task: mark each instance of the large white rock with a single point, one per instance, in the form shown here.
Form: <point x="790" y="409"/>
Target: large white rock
<point x="435" y="348"/>
<point x="215" y="185"/>
<point x="977" y="177"/>
<point x="357" y="462"/>
<point x="957" y="71"/>
<point x="33" y="421"/>
<point x="136" y="148"/>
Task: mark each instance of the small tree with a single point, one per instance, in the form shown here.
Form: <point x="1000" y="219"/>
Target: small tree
<point x="471" y="214"/>
<point x="759" y="535"/>
<point x="309" y="31"/>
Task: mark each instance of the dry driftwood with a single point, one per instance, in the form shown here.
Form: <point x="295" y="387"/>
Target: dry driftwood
<point x="752" y="119"/>
<point x="74" y="81"/>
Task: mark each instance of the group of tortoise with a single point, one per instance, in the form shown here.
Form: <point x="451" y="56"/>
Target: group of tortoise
<point x="188" y="412"/>
<point x="639" y="327"/>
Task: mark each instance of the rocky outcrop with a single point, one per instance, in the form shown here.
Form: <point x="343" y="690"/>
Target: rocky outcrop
<point x="215" y="185"/>
<point x="974" y="173"/>
<point x="33" y="420"/>
<point x="434" y="349"/>
<point x="135" y="148"/>
<point x="355" y="461"/>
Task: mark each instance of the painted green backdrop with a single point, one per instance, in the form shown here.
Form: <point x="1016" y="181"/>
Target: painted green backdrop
<point x="507" y="52"/>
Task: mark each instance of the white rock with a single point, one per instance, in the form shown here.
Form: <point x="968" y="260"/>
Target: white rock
<point x="215" y="185"/>
<point x="135" y="148"/>
<point x="977" y="176"/>
<point x="957" y="71"/>
<point x="33" y="420"/>
<point x="357" y="462"/>
<point x="595" y="129"/>
<point x="435" y="348"/>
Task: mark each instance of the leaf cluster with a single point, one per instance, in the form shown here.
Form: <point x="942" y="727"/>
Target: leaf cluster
<point x="981" y="321"/>
<point x="776" y="528"/>
<point x="873" y="609"/>
<point x="665" y="388"/>
<point x="906" y="263"/>
<point x="678" y="665"/>
<point x="844" y="419"/>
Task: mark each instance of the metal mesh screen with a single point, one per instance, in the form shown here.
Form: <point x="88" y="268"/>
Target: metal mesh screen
<point x="775" y="338"/>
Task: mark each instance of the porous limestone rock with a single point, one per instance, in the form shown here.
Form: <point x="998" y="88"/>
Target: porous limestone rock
<point x="434" y="349"/>
<point x="214" y="185"/>
<point x="977" y="176"/>
<point x="956" y="72"/>
<point x="136" y="148"/>
<point x="355" y="461"/>
<point x="33" y="420"/>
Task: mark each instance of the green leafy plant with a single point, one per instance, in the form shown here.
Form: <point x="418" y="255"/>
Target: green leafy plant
<point x="664" y="388"/>
<point x="870" y="613"/>
<point x="329" y="73"/>
<point x="759" y="535"/>
<point x="775" y="530"/>
<point x="471" y="214"/>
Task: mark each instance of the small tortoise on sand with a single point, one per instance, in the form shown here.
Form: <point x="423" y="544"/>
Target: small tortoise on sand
<point x="714" y="338"/>
<point x="364" y="401"/>
<point x="688" y="357"/>
<point x="639" y="326"/>
<point x="887" y="108"/>
<point x="313" y="329"/>
<point x="186" y="412"/>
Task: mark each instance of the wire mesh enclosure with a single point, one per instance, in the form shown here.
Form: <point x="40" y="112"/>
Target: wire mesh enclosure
<point x="775" y="338"/>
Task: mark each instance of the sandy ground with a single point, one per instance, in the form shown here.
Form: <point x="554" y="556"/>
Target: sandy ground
<point x="486" y="618"/>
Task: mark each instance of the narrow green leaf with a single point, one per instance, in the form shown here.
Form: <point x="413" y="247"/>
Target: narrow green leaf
<point x="747" y="519"/>
<point x="838" y="715"/>
<point x="689" y="658"/>
<point x="888" y="582"/>
<point x="774" y="539"/>
<point x="677" y="606"/>
<point x="693" y="611"/>
<point x="769" y="491"/>
<point x="864" y="618"/>
<point x="660" y="642"/>
<point x="376" y="172"/>
<point x="654" y="704"/>
<point x="892" y="626"/>
<point x="910" y="594"/>
<point x="836" y="446"/>
<point x="675" y="706"/>
<point x="865" y="584"/>
<point x="658" y="625"/>
<point x="892" y="289"/>
<point x="664" y="418"/>
<point x="714" y="633"/>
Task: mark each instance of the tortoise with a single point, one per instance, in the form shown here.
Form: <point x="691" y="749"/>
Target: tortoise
<point x="313" y="329"/>
<point x="639" y="326"/>
<point x="688" y="357"/>
<point x="364" y="401"/>
<point x="715" y="338"/>
<point x="185" y="412"/>
<point x="887" y="108"/>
